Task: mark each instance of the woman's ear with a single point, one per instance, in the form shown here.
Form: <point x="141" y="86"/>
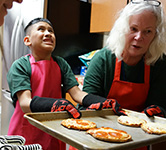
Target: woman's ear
<point x="27" y="41"/>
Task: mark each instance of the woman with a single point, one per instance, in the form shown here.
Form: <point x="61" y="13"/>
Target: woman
<point x="135" y="54"/>
<point x="132" y="67"/>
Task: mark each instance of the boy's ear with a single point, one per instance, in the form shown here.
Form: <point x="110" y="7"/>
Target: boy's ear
<point x="27" y="41"/>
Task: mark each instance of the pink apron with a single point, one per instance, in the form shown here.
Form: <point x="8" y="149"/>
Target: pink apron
<point x="45" y="82"/>
<point x="130" y="95"/>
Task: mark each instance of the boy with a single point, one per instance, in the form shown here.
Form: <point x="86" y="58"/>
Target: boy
<point x="39" y="75"/>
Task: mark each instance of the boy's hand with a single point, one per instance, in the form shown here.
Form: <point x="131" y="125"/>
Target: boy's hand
<point x="45" y="104"/>
<point x="62" y="105"/>
<point x="108" y="103"/>
<point x="155" y="110"/>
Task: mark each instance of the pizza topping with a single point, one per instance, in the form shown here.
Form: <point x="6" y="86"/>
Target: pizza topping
<point x="101" y="134"/>
<point x="115" y="134"/>
<point x="107" y="134"/>
<point x="81" y="122"/>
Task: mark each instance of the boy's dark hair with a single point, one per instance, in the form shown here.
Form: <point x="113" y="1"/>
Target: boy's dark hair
<point x="36" y="20"/>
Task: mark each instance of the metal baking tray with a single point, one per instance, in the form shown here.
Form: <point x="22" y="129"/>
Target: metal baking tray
<point x="51" y="124"/>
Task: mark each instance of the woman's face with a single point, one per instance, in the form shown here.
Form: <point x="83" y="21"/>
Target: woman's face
<point x="4" y="5"/>
<point x="142" y="30"/>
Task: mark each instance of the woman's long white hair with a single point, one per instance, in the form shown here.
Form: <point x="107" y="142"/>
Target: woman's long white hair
<point x="116" y="39"/>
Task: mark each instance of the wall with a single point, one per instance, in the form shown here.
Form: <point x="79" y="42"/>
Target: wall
<point x="103" y="13"/>
<point x="163" y="4"/>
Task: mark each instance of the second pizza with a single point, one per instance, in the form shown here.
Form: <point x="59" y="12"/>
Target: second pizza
<point x="109" y="134"/>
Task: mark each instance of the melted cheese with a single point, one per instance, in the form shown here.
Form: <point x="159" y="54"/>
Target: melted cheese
<point x="130" y="120"/>
<point x="153" y="127"/>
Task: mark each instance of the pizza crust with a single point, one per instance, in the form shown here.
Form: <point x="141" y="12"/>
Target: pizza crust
<point x="78" y="124"/>
<point x="130" y="121"/>
<point x="109" y="134"/>
<point x="154" y="128"/>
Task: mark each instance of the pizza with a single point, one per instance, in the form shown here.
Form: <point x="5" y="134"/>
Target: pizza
<point x="154" y="128"/>
<point x="78" y="124"/>
<point x="130" y="121"/>
<point x="109" y="134"/>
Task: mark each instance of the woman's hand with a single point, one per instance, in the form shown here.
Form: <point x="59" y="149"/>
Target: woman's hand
<point x="155" y="110"/>
<point x="108" y="103"/>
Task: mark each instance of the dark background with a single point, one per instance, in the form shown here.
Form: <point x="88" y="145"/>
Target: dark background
<point x="71" y="21"/>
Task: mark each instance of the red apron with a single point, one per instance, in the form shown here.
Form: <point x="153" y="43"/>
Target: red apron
<point x="130" y="95"/>
<point x="45" y="82"/>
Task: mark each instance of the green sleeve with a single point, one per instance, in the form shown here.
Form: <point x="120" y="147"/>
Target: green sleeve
<point x="68" y="78"/>
<point x="18" y="76"/>
<point x="157" y="91"/>
<point x="100" y="73"/>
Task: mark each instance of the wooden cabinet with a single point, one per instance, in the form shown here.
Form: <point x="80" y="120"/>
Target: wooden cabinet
<point x="103" y="13"/>
<point x="68" y="97"/>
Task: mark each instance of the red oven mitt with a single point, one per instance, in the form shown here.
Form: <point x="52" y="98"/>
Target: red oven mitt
<point x="155" y="110"/>
<point x="99" y="103"/>
<point x="44" y="104"/>
<point x="63" y="104"/>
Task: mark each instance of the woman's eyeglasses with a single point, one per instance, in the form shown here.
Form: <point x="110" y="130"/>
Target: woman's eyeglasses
<point x="151" y="2"/>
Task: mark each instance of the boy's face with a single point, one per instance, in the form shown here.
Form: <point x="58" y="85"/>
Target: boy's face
<point x="41" y="38"/>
